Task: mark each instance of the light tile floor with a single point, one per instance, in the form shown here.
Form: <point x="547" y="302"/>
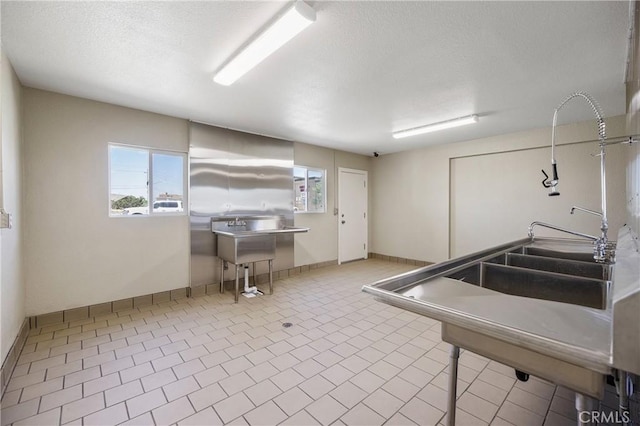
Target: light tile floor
<point x="346" y="360"/>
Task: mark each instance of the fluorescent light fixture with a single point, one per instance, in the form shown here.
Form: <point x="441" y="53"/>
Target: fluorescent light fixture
<point x="298" y="17"/>
<point x="462" y="121"/>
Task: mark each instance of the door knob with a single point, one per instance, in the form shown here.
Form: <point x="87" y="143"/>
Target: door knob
<point x="344" y="221"/>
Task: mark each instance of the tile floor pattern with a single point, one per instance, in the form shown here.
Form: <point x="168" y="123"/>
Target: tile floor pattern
<point x="346" y="360"/>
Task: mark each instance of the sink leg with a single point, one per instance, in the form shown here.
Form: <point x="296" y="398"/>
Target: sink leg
<point x="237" y="283"/>
<point x="270" y="276"/>
<point x="586" y="406"/>
<point x="454" y="354"/>
<point x="255" y="276"/>
<point x="623" y="397"/>
<point x="221" y="276"/>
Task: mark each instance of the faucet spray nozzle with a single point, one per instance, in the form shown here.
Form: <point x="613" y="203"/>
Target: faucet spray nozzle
<point x="551" y="183"/>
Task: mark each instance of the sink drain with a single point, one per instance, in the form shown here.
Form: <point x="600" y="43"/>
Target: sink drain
<point x="286" y="324"/>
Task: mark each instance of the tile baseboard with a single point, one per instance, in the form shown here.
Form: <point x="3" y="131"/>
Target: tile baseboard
<point x="11" y="360"/>
<point x="402" y="260"/>
<point x="91" y="311"/>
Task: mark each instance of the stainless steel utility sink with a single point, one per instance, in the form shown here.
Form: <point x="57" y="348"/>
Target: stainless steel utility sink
<point x="539" y="305"/>
<point x="542" y="306"/>
<point x="242" y="240"/>
<point x="238" y="251"/>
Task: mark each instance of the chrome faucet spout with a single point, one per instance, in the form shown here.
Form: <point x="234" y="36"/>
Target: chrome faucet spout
<point x="593" y="212"/>
<point x="560" y="229"/>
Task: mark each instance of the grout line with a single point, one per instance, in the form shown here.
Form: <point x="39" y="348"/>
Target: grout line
<point x="546" y="415"/>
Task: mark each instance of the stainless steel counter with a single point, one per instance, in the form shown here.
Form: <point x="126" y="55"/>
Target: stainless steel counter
<point x="565" y="343"/>
<point x="559" y="329"/>
<point x="245" y="246"/>
<point x="244" y="240"/>
<point x="247" y="234"/>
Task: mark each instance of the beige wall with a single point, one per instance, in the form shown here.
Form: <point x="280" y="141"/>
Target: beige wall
<point x="12" y="293"/>
<point x="76" y="255"/>
<point x="495" y="197"/>
<point x="411" y="190"/>
<point x="320" y="244"/>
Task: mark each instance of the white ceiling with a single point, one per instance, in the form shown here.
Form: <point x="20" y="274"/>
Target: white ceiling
<point x="363" y="70"/>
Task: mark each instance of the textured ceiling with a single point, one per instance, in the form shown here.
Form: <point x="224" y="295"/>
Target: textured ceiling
<point x="363" y="70"/>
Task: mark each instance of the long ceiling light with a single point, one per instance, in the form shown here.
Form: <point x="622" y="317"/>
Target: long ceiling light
<point x="298" y="17"/>
<point x="462" y="121"/>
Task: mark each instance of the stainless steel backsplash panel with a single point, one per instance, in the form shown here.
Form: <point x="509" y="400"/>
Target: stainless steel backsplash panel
<point x="234" y="173"/>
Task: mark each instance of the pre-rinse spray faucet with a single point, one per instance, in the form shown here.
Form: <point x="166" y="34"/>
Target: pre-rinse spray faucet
<point x="603" y="250"/>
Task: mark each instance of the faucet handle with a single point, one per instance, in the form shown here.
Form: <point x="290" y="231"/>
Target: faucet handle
<point x="545" y="181"/>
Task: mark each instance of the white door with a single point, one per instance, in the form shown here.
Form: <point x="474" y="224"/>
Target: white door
<point x="352" y="214"/>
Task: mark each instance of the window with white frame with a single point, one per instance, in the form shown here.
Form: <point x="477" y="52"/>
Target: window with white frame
<point x="309" y="188"/>
<point x="144" y="181"/>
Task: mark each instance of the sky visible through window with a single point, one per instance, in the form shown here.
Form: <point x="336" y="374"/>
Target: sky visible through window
<point x="167" y="174"/>
<point x="130" y="173"/>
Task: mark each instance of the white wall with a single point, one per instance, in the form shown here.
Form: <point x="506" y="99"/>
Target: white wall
<point x="12" y="293"/>
<point x="76" y="255"/>
<point x="411" y="190"/>
<point x="320" y="244"/>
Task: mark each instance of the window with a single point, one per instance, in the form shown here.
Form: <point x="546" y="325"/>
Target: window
<point x="136" y="173"/>
<point x="309" y="190"/>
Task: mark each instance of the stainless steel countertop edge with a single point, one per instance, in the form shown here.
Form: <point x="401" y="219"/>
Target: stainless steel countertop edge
<point x="248" y="234"/>
<point x="598" y="360"/>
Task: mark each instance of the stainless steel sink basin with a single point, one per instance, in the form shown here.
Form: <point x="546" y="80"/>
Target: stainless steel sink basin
<point x="560" y="265"/>
<point x="555" y="254"/>
<point x="243" y="239"/>
<point x="540" y="277"/>
<point x="544" y="285"/>
<point x="246" y="250"/>
<point x="247" y="239"/>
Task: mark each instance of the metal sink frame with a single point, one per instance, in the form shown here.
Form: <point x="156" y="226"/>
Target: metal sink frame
<point x="540" y="305"/>
<point x="244" y="240"/>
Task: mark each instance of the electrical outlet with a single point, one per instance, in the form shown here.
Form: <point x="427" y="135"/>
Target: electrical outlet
<point x="5" y="219"/>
